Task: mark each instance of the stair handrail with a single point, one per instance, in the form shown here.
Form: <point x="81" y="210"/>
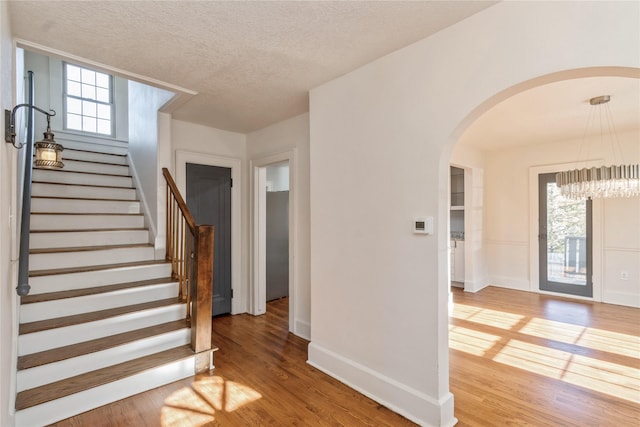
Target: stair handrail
<point x="189" y="248"/>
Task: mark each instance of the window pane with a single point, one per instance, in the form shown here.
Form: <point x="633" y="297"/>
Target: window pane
<point x="89" y="101"/>
<point x="104" y="111"/>
<point x="74" y="106"/>
<point x="73" y="73"/>
<point x="102" y="94"/>
<point x="89" y="77"/>
<point x="88" y="92"/>
<point x="102" y="80"/>
<point x="566" y="238"/>
<point x="73" y="88"/>
<point x="104" y="127"/>
<point x="74" y="121"/>
<point x="89" y="124"/>
<point x="88" y="108"/>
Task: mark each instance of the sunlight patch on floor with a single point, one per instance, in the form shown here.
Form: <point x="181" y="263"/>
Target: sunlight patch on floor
<point x="596" y="339"/>
<point x="470" y="341"/>
<point x="495" y="318"/>
<point x="196" y="405"/>
<point x="588" y="372"/>
<point x="603" y="377"/>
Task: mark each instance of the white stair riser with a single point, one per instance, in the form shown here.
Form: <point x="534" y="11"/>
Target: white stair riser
<point x="88" y="156"/>
<point x="81" y="166"/>
<point x="71" y="306"/>
<point x="44" y="374"/>
<point x="85" y="222"/>
<point x="115" y="147"/>
<point x="62" y="177"/>
<point x="41" y="204"/>
<point x="71" y="239"/>
<point x="60" y="337"/>
<point x="90" y="279"/>
<point x="82" y="191"/>
<point x="85" y="258"/>
<point x="59" y="409"/>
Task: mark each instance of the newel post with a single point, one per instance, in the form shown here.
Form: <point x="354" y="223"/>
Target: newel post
<point x="202" y="289"/>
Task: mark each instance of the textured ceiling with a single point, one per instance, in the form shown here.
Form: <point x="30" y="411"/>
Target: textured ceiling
<point x="252" y="63"/>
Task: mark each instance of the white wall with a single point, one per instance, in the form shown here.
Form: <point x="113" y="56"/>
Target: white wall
<point x="379" y="135"/>
<point x="8" y="279"/>
<point x="508" y="220"/>
<point x="144" y="103"/>
<point x="292" y="135"/>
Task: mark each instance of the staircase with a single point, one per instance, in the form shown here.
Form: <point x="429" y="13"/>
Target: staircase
<point x="103" y="320"/>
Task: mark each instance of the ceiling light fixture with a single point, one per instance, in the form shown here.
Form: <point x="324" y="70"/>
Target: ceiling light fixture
<point x="48" y="151"/>
<point x="604" y="181"/>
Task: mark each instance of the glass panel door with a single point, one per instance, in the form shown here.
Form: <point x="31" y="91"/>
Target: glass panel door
<point x="564" y="238"/>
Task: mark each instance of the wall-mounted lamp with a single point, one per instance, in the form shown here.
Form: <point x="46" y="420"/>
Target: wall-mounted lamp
<point x="48" y="151"/>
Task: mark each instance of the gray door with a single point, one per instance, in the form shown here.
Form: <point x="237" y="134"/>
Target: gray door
<point x="277" y="235"/>
<point x="564" y="238"/>
<point x="209" y="200"/>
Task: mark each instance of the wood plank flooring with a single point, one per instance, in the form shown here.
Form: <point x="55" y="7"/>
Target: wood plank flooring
<point x="525" y="359"/>
<point x="517" y="359"/>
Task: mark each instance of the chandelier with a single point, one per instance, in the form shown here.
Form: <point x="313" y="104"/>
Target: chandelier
<point x="603" y="181"/>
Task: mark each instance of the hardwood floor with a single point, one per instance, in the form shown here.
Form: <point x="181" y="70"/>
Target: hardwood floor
<point x="516" y="359"/>
<point x="261" y="378"/>
<point x="519" y="358"/>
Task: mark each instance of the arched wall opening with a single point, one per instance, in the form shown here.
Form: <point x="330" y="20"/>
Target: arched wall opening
<point x="476" y="275"/>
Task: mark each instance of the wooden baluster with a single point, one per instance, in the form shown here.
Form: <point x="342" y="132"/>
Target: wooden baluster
<point x="167" y="226"/>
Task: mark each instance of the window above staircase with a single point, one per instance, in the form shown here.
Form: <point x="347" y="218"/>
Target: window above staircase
<point x="88" y="100"/>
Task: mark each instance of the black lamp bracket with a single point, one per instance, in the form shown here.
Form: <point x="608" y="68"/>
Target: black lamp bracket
<point x="10" y="123"/>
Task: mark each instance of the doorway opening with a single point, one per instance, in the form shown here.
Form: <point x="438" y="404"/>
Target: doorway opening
<point x="456" y="226"/>
<point x="274" y="233"/>
<point x="277" y="231"/>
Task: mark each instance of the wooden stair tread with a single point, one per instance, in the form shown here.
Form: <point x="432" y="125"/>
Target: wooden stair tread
<point x="52" y="296"/>
<point x="89" y="230"/>
<point x="91" y="173"/>
<point x="81" y="185"/>
<point x="60" y="322"/>
<point x="99" y="344"/>
<point x="85" y="213"/>
<point x="88" y="248"/>
<point x="66" y="387"/>
<point x="84" y="198"/>
<point x="96" y="163"/>
<point x="38" y="273"/>
<point x="94" y="152"/>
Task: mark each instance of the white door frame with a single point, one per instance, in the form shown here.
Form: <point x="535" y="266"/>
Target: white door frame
<point x="258" y="237"/>
<point x="596" y="232"/>
<point x="184" y="157"/>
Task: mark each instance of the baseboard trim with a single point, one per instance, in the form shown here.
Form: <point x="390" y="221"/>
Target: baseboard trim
<point x="510" y="283"/>
<point x="406" y="401"/>
<point x="621" y="298"/>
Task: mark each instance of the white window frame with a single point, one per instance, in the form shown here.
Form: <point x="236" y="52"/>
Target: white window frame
<point x="110" y="104"/>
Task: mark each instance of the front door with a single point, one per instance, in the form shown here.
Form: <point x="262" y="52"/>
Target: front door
<point x="564" y="241"/>
<point x="209" y="200"/>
